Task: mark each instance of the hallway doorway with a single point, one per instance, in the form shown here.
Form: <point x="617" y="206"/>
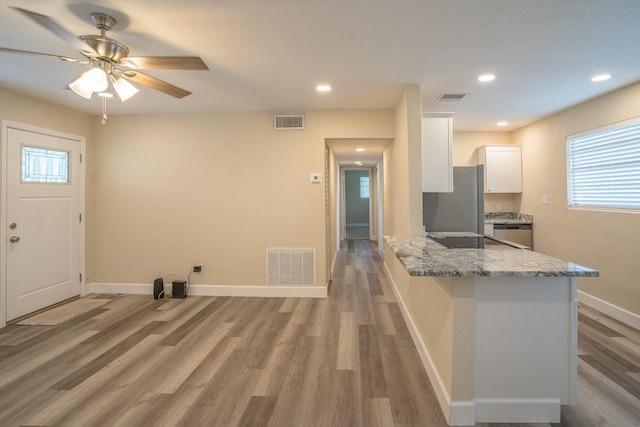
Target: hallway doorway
<point x="357" y="202"/>
<point x="354" y="154"/>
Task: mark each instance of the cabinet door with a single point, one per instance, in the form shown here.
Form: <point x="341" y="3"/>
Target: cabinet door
<point x="503" y="169"/>
<point x="437" y="163"/>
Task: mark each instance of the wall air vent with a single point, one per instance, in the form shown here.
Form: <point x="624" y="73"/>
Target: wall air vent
<point x="451" y="97"/>
<point x="289" y="122"/>
<point x="291" y="266"/>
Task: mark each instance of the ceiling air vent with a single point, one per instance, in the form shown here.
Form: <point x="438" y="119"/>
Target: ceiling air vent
<point x="450" y="97"/>
<point x="289" y="122"/>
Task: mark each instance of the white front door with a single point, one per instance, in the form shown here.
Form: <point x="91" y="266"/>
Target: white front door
<point x="43" y="207"/>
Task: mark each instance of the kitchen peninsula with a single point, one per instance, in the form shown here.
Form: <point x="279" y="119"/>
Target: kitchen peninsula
<point x="496" y="329"/>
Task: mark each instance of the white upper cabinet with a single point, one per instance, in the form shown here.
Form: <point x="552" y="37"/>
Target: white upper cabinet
<point x="437" y="152"/>
<point x="502" y="168"/>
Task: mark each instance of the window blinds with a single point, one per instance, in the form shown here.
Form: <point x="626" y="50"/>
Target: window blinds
<point x="604" y="167"/>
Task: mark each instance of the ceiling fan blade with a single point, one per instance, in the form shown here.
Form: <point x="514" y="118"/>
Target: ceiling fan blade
<point x="152" y="82"/>
<point x="48" y="55"/>
<point x="51" y="25"/>
<point x="164" y="63"/>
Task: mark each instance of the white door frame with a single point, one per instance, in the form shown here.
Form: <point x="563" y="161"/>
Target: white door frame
<point x="378" y="206"/>
<point x="6" y="125"/>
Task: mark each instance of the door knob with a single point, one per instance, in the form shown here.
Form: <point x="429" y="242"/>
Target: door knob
<point x="14" y="239"/>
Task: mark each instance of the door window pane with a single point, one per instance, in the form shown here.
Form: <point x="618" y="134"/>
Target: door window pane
<point x="43" y="165"/>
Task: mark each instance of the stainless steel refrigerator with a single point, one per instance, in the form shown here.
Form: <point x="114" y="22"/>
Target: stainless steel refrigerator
<point x="462" y="210"/>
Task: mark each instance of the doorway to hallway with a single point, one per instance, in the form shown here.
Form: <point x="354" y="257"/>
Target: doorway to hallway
<point x="357" y="202"/>
<point x="354" y="154"/>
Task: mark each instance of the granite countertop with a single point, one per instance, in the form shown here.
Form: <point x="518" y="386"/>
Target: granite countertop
<point x="507" y="218"/>
<point x="422" y="256"/>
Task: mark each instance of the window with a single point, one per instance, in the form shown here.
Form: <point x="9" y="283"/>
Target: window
<point x="42" y="165"/>
<point x="603" y="167"/>
<point x="364" y="187"/>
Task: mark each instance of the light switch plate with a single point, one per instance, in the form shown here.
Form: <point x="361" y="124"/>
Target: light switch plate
<point x="316" y="178"/>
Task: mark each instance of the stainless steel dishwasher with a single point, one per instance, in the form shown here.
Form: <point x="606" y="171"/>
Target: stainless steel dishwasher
<point x="517" y="233"/>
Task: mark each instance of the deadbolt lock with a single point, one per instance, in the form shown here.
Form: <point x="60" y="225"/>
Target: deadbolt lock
<point x="13" y="226"/>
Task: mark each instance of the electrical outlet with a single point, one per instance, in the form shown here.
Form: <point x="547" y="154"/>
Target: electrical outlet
<point x="197" y="268"/>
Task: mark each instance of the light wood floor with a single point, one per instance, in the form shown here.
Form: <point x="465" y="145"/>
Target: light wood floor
<point x="356" y="232"/>
<point x="347" y="360"/>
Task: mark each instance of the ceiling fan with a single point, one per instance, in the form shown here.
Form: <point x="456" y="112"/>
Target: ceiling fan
<point x="110" y="60"/>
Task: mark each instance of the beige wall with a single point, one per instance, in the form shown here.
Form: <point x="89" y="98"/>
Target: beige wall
<point x="607" y="241"/>
<point x="245" y="185"/>
<point x="167" y="191"/>
<point x="34" y="112"/>
<point x="402" y="169"/>
<point x="213" y="188"/>
<point x="465" y="144"/>
<point x="442" y="311"/>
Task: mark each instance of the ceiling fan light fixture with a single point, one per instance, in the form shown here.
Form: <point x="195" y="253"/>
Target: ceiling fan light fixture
<point x="124" y="89"/>
<point x="93" y="80"/>
<point x="80" y="87"/>
<point x="108" y="56"/>
<point x="96" y="79"/>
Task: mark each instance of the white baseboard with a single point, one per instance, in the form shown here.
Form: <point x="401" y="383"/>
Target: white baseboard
<point x="518" y="410"/>
<point x="458" y="413"/>
<point x="462" y="413"/>
<point x="119" y="288"/>
<point x="618" y="313"/>
<point x="215" y="290"/>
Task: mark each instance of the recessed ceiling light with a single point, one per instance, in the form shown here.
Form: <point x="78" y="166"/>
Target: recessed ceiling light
<point x="358" y="163"/>
<point x="323" y="88"/>
<point x="360" y="149"/>
<point x="503" y="123"/>
<point x="600" y="77"/>
<point x="487" y="78"/>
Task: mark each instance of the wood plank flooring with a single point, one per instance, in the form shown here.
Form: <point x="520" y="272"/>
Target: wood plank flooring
<point x="347" y="360"/>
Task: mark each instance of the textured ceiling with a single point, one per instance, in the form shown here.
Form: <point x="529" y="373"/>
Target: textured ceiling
<point x="269" y="55"/>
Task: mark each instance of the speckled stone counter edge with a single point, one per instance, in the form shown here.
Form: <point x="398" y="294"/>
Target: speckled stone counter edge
<point x="507" y="218"/>
<point x="422" y="256"/>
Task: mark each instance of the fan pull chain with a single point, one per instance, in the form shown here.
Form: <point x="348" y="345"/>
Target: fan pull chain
<point x="104" y="110"/>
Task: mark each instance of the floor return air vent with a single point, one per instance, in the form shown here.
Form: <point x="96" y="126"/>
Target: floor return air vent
<point x="291" y="266"/>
